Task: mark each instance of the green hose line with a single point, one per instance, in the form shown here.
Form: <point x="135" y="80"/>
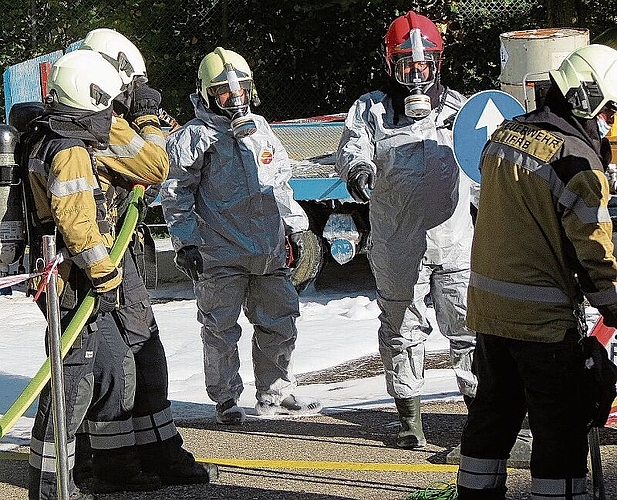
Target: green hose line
<point x="83" y="313"/>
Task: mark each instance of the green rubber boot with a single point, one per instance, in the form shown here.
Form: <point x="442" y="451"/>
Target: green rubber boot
<point x="411" y="434"/>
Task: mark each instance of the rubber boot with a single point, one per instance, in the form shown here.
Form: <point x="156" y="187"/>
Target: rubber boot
<point x="411" y="434"/>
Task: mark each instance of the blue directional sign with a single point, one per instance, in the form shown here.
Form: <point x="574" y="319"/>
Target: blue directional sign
<point x="476" y="121"/>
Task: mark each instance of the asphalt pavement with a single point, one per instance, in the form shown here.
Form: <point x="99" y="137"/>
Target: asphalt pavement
<point x="347" y="455"/>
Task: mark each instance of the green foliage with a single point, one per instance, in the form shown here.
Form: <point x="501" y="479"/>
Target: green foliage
<point x="309" y="58"/>
<point x="600" y="15"/>
<point x="436" y="491"/>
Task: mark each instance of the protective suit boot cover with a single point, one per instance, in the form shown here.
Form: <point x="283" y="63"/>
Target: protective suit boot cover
<point x="120" y="470"/>
<point x="173" y="464"/>
<point x="411" y="434"/>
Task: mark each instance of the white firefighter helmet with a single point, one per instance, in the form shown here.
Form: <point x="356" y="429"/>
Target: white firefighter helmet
<point x="587" y="78"/>
<point x="83" y="80"/>
<point x="119" y="50"/>
<point x="218" y="73"/>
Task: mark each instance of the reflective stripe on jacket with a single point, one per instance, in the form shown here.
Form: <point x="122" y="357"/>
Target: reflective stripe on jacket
<point x="140" y="157"/>
<point x="543" y="229"/>
<point x="64" y="187"/>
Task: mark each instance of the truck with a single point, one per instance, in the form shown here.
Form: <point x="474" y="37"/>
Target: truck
<point x="339" y="227"/>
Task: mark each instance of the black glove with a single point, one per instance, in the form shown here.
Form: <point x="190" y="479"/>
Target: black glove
<point x="150" y="194"/>
<point x="190" y="261"/>
<point x="609" y="315"/>
<point x="106" y="301"/>
<point x="359" y="178"/>
<point x="295" y="248"/>
<point x="145" y="101"/>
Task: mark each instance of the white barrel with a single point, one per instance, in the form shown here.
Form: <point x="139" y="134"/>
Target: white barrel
<point x="527" y="57"/>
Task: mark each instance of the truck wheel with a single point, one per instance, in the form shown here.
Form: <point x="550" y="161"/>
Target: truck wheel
<point x="310" y="263"/>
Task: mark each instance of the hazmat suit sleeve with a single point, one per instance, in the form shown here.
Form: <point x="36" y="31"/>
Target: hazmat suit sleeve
<point x="70" y="186"/>
<point x="293" y="215"/>
<point x="356" y="144"/>
<point x="187" y="156"/>
<point x="588" y="226"/>
<point x="140" y="157"/>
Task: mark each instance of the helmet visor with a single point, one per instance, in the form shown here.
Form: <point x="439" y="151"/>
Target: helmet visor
<point x="410" y="72"/>
<point x="226" y="99"/>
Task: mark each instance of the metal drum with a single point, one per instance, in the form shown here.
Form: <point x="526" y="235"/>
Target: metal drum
<point x="527" y="57"/>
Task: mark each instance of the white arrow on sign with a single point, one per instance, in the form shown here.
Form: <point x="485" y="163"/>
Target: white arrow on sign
<point x="490" y="118"/>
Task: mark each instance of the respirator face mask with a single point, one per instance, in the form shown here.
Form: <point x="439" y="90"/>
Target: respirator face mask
<point x="606" y="118"/>
<point x="603" y="127"/>
<point x="416" y="71"/>
<point x="233" y="99"/>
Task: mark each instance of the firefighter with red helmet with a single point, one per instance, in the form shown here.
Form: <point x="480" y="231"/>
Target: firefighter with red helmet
<point x="396" y="154"/>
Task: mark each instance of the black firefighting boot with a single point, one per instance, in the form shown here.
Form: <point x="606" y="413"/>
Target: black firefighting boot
<point x="411" y="434"/>
<point x="78" y="494"/>
<point x="120" y="470"/>
<point x="82" y="471"/>
<point x="175" y="465"/>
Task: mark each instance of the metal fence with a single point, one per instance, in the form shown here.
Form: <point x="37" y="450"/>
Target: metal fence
<point x="478" y="10"/>
<point x="308" y="58"/>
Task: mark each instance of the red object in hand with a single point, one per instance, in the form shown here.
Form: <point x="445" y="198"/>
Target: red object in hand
<point x="289" y="253"/>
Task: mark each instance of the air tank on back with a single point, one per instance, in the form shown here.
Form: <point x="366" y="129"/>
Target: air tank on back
<point x="12" y="225"/>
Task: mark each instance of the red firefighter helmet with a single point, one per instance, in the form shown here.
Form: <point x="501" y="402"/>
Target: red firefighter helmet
<point x="401" y="42"/>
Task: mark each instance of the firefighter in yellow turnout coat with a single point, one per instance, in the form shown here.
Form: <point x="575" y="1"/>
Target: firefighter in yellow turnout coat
<point x="66" y="200"/>
<point x="542" y="242"/>
<point x="136" y="154"/>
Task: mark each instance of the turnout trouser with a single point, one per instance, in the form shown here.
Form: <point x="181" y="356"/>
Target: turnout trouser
<point x="81" y="388"/>
<point x="544" y="380"/>
<point x="151" y="425"/>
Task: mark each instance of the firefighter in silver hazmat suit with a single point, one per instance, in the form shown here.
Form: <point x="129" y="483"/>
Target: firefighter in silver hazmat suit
<point x="229" y="208"/>
<point x="397" y="143"/>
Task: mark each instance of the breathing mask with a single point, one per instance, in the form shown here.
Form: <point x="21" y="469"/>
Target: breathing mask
<point x="603" y="127"/>
<point x="417" y="104"/>
<point x="233" y="99"/>
<point x="416" y="71"/>
<point x="605" y="118"/>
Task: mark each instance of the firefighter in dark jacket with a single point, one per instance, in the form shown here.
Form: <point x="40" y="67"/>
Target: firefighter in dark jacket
<point x="68" y="202"/>
<point x="542" y="242"/>
<point x="136" y="154"/>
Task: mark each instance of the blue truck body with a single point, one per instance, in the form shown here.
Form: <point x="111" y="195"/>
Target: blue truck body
<point x="338" y="225"/>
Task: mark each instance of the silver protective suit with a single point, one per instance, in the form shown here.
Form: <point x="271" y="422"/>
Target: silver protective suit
<point x="231" y="197"/>
<point x="421" y="232"/>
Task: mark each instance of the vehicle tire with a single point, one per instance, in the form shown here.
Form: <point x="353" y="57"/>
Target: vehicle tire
<point x="310" y="263"/>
